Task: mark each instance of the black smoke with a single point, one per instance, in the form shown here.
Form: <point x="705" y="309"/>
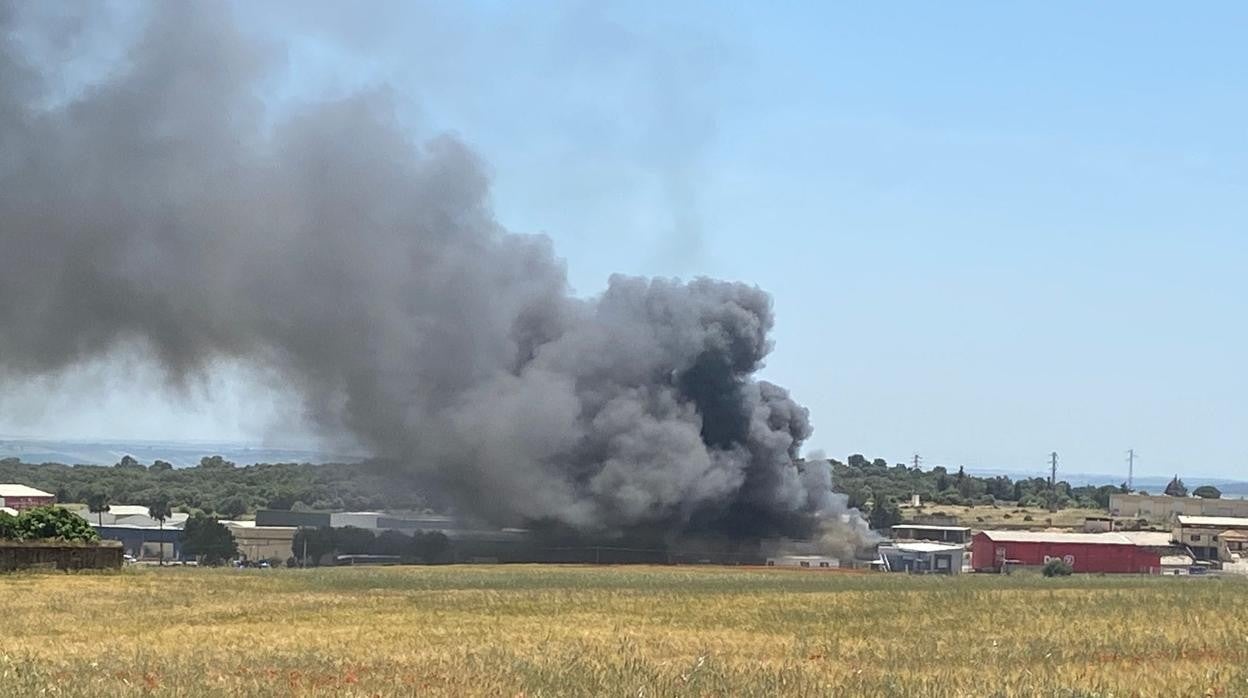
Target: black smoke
<point x="164" y="205"/>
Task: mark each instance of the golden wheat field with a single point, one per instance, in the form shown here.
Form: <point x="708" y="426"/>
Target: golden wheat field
<point x="626" y="631"/>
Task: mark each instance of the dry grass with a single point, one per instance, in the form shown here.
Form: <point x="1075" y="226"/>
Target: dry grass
<point x="541" y="630"/>
<point x="1007" y="516"/>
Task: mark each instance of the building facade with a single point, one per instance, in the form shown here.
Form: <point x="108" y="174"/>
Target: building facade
<point x="1211" y="537"/>
<point x="21" y="497"/>
<point x="922" y="557"/>
<point x="262" y="542"/>
<point x="1163" y="508"/>
<point x="143" y="542"/>
<point x="939" y="534"/>
<point x="1137" y="553"/>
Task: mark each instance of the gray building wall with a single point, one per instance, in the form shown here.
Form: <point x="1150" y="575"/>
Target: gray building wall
<point x="298" y="519"/>
<point x="1162" y="508"/>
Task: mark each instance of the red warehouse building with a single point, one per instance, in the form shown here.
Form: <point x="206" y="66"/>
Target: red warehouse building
<point x="1128" y="552"/>
<point x="21" y="497"/>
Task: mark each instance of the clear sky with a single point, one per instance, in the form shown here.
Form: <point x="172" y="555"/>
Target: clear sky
<point x="990" y="231"/>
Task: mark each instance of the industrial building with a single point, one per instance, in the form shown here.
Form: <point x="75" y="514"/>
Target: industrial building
<point x="128" y="515"/>
<point x="262" y="542"/>
<point x="1123" y="552"/>
<point x="922" y="557"/>
<point x="145" y="542"/>
<point x="1212" y="537"/>
<point x="372" y="520"/>
<point x="297" y="519"/>
<point x="1165" y="508"/>
<point x="807" y="561"/>
<point x="940" y="534"/>
<point x="21" y="497"/>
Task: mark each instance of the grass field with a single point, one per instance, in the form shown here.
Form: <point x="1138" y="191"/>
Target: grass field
<point x="628" y="631"/>
<point x="1007" y="516"/>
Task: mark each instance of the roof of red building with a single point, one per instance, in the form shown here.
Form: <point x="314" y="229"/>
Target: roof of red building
<point x="1213" y="521"/>
<point x="13" y="490"/>
<point x="1142" y="538"/>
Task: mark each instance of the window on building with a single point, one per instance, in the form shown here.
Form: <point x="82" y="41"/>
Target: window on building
<point x="1195" y="536"/>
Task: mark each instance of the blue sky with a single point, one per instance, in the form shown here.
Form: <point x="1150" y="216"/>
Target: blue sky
<point x="991" y="231"/>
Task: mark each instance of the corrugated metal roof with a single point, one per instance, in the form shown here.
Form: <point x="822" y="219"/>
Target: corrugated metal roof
<point x="14" y="490"/>
<point x="1059" y="537"/>
<point x="127" y="510"/>
<point x="1160" y="539"/>
<point x="927" y="547"/>
<point x="1223" y="521"/>
<point x="925" y="527"/>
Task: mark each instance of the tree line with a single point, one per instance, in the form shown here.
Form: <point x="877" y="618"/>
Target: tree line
<point x="218" y="488"/>
<point x="876" y="487"/>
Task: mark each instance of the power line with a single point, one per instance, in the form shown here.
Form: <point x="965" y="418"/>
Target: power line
<point x="1130" y="469"/>
<point x="1053" y="481"/>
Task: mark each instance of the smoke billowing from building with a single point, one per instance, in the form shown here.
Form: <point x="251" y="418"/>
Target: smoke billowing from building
<point x="163" y="205"/>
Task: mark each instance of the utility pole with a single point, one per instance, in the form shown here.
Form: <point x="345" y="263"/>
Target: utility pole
<point x="1130" y="469"/>
<point x="1053" y="481"/>
<point x="917" y="459"/>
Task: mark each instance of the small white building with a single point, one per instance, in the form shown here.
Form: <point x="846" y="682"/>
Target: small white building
<point x="358" y="519"/>
<point x="923" y="557"/>
<point x="805" y="561"/>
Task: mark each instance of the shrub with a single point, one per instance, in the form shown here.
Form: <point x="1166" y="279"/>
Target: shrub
<point x="1057" y="568"/>
<point x="54" y="523"/>
<point x="207" y="540"/>
<point x="8" y="526"/>
<point x="1028" y="518"/>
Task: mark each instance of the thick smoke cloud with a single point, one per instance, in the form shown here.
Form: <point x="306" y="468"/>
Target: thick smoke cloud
<point x="162" y="205"/>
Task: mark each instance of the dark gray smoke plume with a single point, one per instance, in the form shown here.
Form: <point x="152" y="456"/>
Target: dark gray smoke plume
<point x="162" y="205"/>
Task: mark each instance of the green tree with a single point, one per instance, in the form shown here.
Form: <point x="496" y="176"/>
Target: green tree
<point x="312" y="544"/>
<point x="232" y="507"/>
<point x="1057" y="568"/>
<point x="160" y="466"/>
<point x="208" y="541"/>
<point x="392" y="543"/>
<point x="1207" y="492"/>
<point x="1176" y="488"/>
<point x="215" y="463"/>
<point x="431" y="547"/>
<point x="52" y="522"/>
<point x="8" y="526"/>
<point x="353" y="540"/>
<point x="97" y="503"/>
<point x="884" y="515"/>
<point x="158" y="508"/>
<point x="282" y="501"/>
<point x="128" y="462"/>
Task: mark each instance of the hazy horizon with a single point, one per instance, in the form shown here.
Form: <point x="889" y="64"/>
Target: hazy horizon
<point x="989" y="232"/>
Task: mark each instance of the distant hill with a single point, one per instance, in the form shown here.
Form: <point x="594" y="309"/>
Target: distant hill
<point x="180" y="454"/>
<point x="1150" y="483"/>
